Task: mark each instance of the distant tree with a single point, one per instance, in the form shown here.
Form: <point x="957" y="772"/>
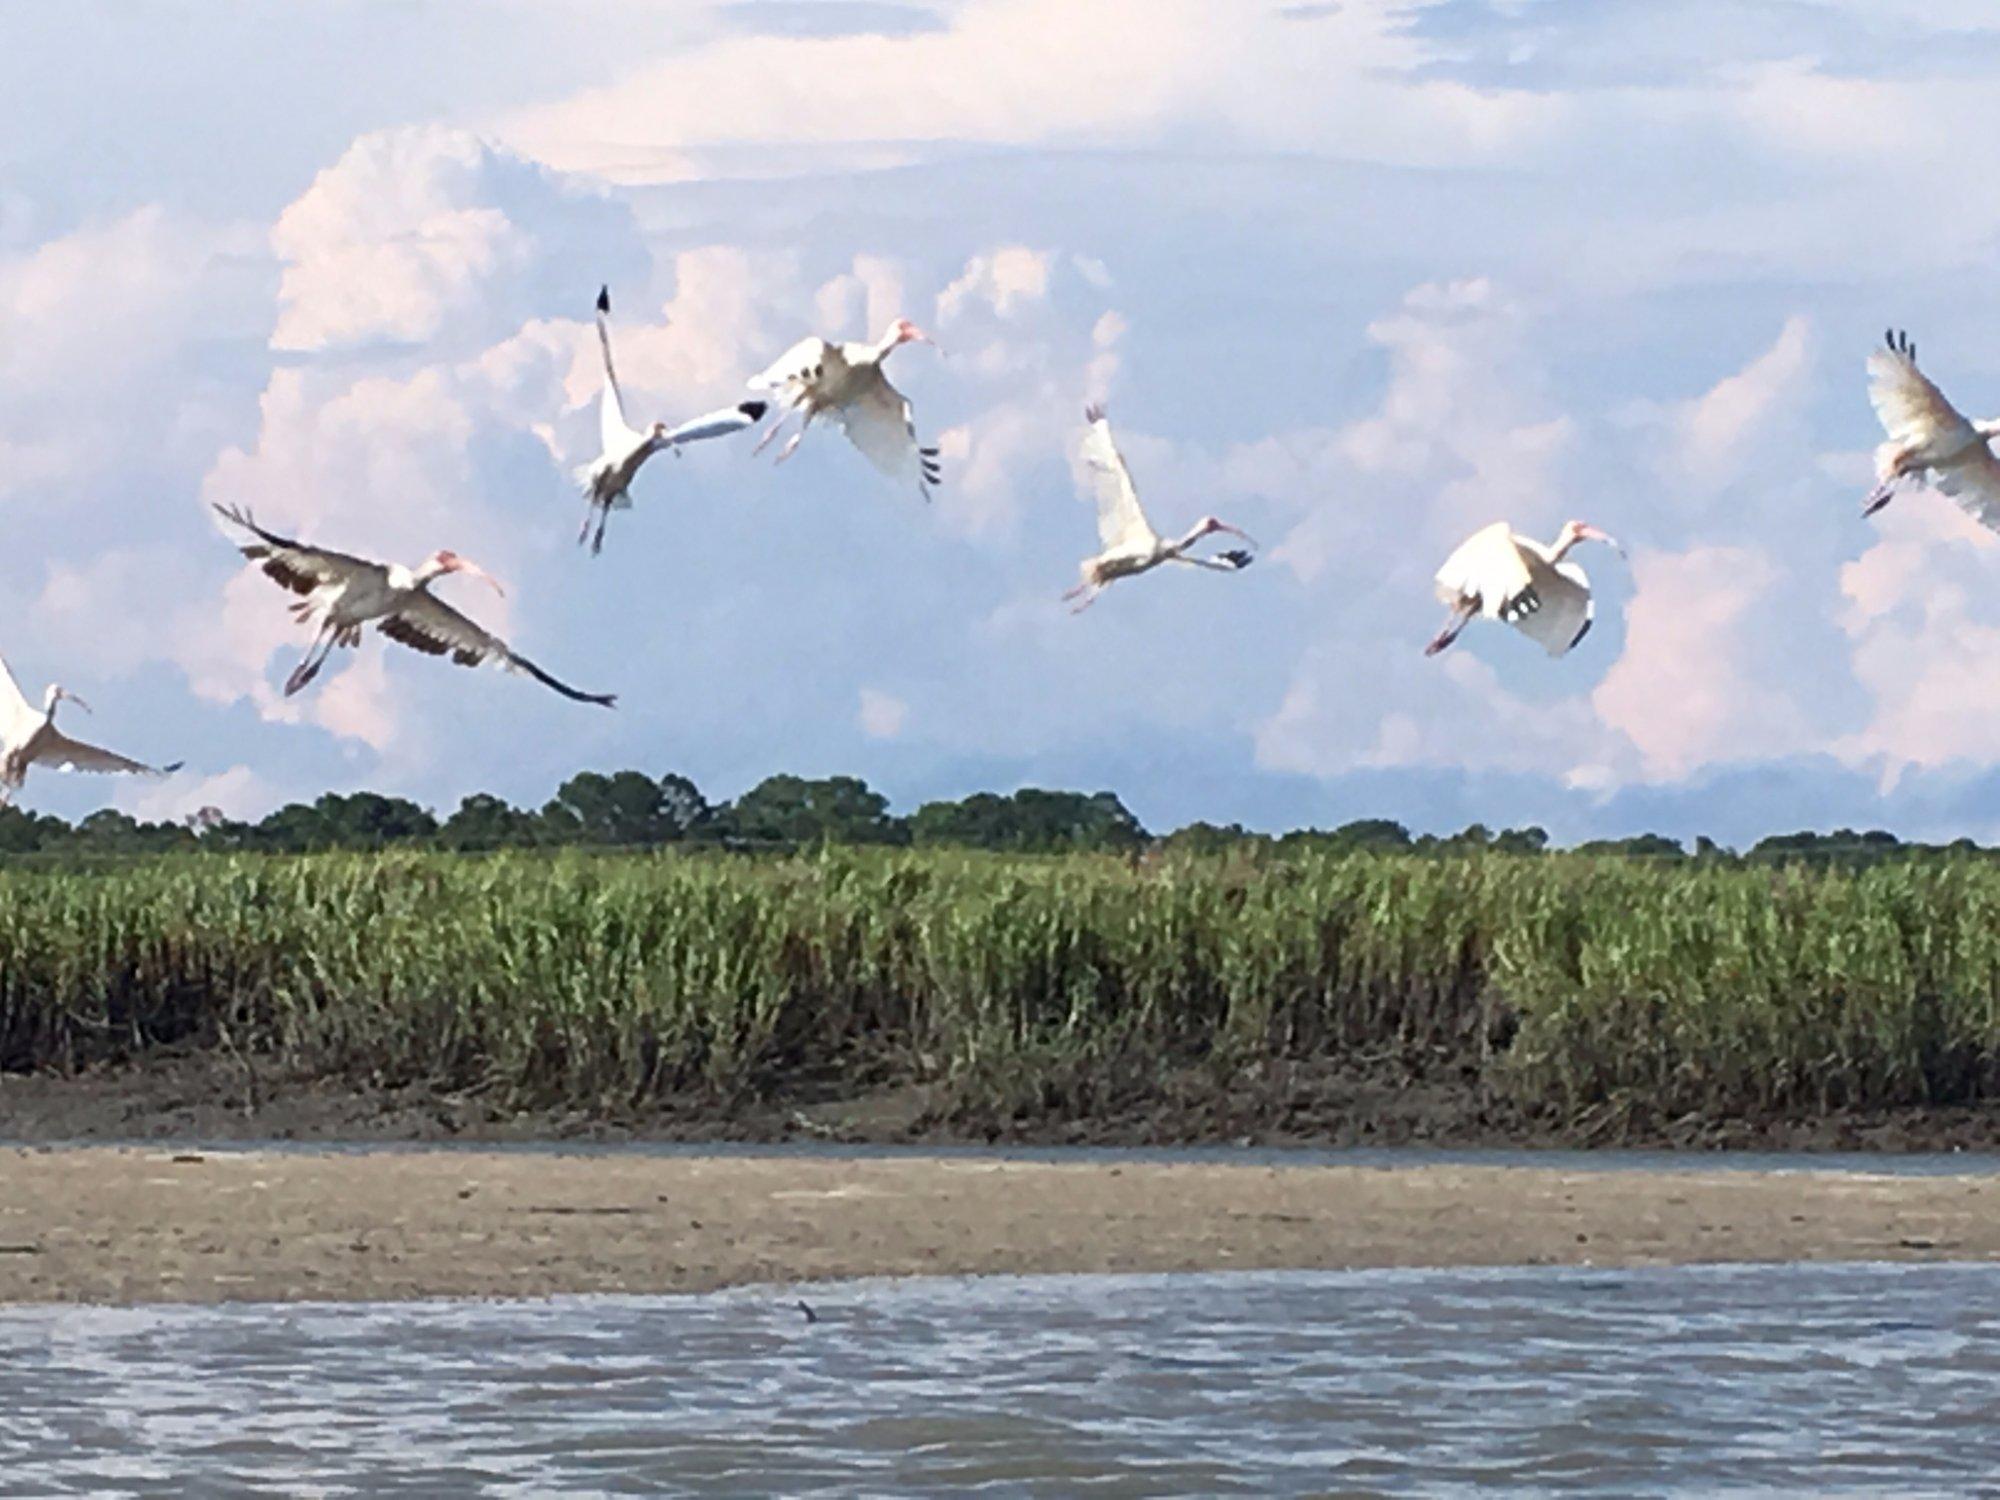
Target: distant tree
<point x="623" y="809"/>
<point x="108" y="831"/>
<point x="362" y="820"/>
<point x="1843" y="846"/>
<point x="23" y="832"/>
<point x="1641" y="846"/>
<point x="484" y="821"/>
<point x="1529" y="840"/>
<point x="1030" y="821"/>
<point x="1378" y="835"/>
<point x="794" y="810"/>
<point x="1209" y="838"/>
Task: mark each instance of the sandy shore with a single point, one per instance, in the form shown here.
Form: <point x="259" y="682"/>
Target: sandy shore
<point x="135" y="1224"/>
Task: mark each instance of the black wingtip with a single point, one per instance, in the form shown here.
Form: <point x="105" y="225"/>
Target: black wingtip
<point x="754" y="410"/>
<point x="1093" y="413"/>
<point x="604" y="299"/>
<point x="168" y="770"/>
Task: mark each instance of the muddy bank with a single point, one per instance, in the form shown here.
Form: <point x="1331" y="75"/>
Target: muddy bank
<point x="206" y="1097"/>
<point x="144" y="1224"/>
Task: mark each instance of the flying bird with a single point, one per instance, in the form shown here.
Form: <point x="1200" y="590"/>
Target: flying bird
<point x="1130" y="543"/>
<point x="342" y="594"/>
<point x="1928" y="437"/>
<point x="607" y="479"/>
<point x="846" y="383"/>
<point x="1507" y="577"/>
<point x="29" y="737"/>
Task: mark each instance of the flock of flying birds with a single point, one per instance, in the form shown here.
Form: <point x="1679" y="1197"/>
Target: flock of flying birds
<point x="1495" y="573"/>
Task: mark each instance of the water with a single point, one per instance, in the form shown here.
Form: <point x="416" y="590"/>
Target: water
<point x="1697" y="1381"/>
<point x="1387" y="1158"/>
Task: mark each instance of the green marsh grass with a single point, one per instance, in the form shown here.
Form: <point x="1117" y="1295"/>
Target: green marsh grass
<point x="1052" y="986"/>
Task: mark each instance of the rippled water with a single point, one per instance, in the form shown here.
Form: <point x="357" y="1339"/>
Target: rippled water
<point x="1700" y="1381"/>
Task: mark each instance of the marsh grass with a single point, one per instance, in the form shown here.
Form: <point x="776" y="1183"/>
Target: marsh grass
<point x="1013" y="985"/>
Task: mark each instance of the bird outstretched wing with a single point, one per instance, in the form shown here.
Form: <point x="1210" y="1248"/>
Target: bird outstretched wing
<point x="1487" y="569"/>
<point x="1912" y="410"/>
<point x="1121" y="524"/>
<point x="61" y="753"/>
<point x="718" y="423"/>
<point x="877" y="419"/>
<point x="1922" y="424"/>
<point x="429" y="625"/>
<point x="1974" y="482"/>
<point x="808" y="365"/>
<point x="614" y="431"/>
<point x="17" y="714"/>
<point x="1556" y="611"/>
<point x="299" y="567"/>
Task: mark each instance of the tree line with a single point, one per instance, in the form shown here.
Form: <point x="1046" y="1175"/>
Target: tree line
<point x="628" y="809"/>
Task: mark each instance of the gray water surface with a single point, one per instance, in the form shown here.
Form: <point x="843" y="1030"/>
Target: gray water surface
<point x="1696" y="1381"/>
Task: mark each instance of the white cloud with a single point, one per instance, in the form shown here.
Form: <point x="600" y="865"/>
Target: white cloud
<point x="881" y="715"/>
<point x="1750" y="415"/>
<point x="421" y="233"/>
<point x="1692" y="688"/>
<point x="1029" y="72"/>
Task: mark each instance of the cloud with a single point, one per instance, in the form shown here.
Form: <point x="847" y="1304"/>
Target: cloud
<point x="1033" y="72"/>
<point x="423" y="233"/>
<point x="1463" y="435"/>
<point x="1749" y="416"/>
<point x="1692" y="688"/>
<point x="882" y="715"/>
<point x="239" y="792"/>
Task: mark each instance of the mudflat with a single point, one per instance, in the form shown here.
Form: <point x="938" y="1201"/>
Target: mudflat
<point x="127" y="1224"/>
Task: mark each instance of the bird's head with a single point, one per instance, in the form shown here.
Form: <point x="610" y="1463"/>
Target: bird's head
<point x="1582" y="531"/>
<point x="657" y="431"/>
<point x="57" y="693"/>
<point x="1211" y="524"/>
<point x="446" y="561"/>
<point x="903" y="331"/>
<point x="604" y="299"/>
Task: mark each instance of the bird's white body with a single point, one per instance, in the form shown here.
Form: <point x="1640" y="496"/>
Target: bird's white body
<point x="845" y="382"/>
<point x="29" y="737"/>
<point x="343" y="593"/>
<point x="1131" y="545"/>
<point x="607" y="479"/>
<point x="1929" y="437"/>
<point x="1500" y="575"/>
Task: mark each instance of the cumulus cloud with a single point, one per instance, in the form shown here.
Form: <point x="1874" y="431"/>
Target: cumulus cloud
<point x="881" y="715"/>
<point x="1697" y="684"/>
<point x="1749" y="416"/>
<point x="1464" y="434"/>
<point x="423" y="233"/>
<point x="1029" y="72"/>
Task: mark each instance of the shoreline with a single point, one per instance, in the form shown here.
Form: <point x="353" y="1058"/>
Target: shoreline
<point x="209" y="1098"/>
<point x="156" y="1224"/>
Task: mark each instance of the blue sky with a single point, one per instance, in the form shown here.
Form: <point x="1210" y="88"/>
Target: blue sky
<point x="1359" y="277"/>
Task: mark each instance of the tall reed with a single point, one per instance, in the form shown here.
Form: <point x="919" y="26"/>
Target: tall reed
<point x="1061" y="985"/>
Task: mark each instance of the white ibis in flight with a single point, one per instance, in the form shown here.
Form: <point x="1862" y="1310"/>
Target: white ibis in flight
<point x="343" y="593"/>
<point x="845" y="383"/>
<point x="1504" y="576"/>
<point x="29" y="737"/>
<point x="607" y="479"/>
<point x="1131" y="545"/>
<point x="1928" y="437"/>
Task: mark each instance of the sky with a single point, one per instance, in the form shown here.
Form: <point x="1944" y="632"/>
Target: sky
<point x="1358" y="277"/>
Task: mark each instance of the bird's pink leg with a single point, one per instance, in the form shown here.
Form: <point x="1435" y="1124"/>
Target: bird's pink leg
<point x="1880" y="496"/>
<point x="1089" y="591"/>
<point x="787" y="451"/>
<point x="1453" y="624"/>
<point x="308" y="669"/>
<point x="772" y="431"/>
